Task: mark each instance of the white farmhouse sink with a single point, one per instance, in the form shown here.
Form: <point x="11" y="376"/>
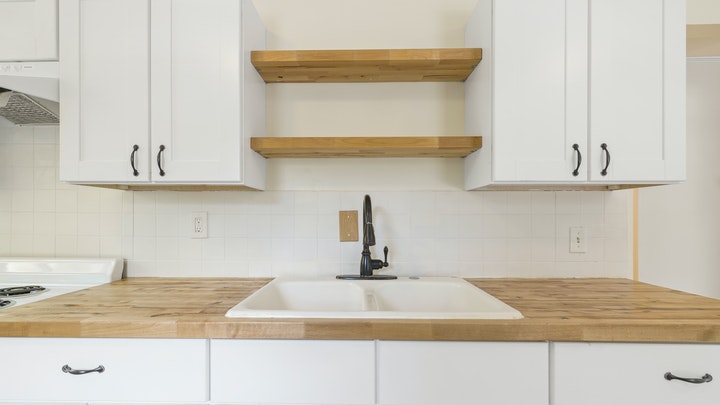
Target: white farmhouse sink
<point x="413" y="298"/>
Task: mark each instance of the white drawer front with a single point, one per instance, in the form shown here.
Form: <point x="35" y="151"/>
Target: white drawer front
<point x="462" y="373"/>
<point x="631" y="374"/>
<point x="292" y="372"/>
<point x="134" y="369"/>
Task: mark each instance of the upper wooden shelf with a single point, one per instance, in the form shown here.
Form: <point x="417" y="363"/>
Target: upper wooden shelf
<point x="367" y="65"/>
<point x="395" y="146"/>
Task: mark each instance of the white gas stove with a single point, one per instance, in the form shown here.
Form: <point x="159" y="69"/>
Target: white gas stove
<point x="26" y="280"/>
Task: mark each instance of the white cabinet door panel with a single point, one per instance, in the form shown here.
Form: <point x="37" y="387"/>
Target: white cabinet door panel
<point x="626" y="78"/>
<point x="532" y="141"/>
<point x="462" y="373"/>
<point x="28" y="30"/>
<point x="631" y="374"/>
<point x="134" y="369"/>
<point x="105" y="90"/>
<point x="292" y="372"/>
<point x="196" y="86"/>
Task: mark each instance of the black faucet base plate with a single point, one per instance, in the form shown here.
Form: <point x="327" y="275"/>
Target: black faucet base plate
<point x="359" y="277"/>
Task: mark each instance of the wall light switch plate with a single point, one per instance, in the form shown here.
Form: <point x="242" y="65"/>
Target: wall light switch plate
<point x="348" y="226"/>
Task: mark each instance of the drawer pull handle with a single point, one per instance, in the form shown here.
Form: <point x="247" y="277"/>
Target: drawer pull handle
<point x="70" y="370"/>
<point x="704" y="379"/>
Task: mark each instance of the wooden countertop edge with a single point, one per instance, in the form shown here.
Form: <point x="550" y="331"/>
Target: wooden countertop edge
<point x="376" y="330"/>
<point x="545" y="320"/>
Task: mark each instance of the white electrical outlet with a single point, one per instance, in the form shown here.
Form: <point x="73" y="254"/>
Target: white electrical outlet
<point x="199" y="225"/>
<point x="578" y="242"/>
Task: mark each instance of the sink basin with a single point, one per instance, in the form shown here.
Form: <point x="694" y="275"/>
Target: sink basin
<point x="413" y="298"/>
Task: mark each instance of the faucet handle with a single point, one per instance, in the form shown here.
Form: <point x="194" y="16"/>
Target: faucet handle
<point x="377" y="264"/>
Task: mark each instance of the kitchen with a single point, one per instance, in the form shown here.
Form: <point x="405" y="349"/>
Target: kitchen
<point x="430" y="224"/>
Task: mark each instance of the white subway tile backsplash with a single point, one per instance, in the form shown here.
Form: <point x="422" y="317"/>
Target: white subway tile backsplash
<point x="66" y="200"/>
<point x="22" y="223"/>
<point x="88" y="224"/>
<point x="263" y="234"/>
<point x="88" y="246"/>
<point x="23" y="201"/>
<point x="44" y="201"/>
<point x="44" y="223"/>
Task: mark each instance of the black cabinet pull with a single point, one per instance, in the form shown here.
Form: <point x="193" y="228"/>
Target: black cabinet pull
<point x="70" y="370"/>
<point x="132" y="160"/>
<point x="702" y="380"/>
<point x="159" y="155"/>
<point x="576" y="147"/>
<point x="607" y="159"/>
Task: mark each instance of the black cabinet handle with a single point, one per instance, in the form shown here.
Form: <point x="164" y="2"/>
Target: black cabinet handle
<point x="576" y="147"/>
<point x="159" y="163"/>
<point x="702" y="380"/>
<point x="607" y="159"/>
<point x="132" y="160"/>
<point x="70" y="370"/>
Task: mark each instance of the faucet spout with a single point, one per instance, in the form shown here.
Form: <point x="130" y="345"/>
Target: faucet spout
<point x="368" y="229"/>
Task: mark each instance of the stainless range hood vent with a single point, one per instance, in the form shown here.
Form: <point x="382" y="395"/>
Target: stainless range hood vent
<point x="21" y="109"/>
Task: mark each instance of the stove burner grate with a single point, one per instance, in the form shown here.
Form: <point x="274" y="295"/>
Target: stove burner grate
<point x="24" y="290"/>
<point x="6" y="303"/>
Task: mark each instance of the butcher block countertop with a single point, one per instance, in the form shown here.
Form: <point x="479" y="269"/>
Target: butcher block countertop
<point x="607" y="310"/>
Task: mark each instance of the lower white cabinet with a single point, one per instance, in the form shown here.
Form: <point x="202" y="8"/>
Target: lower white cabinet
<point x="633" y="373"/>
<point x="292" y="372"/>
<point x="458" y="373"/>
<point x="118" y="370"/>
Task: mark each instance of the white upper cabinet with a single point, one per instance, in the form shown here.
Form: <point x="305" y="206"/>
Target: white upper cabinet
<point x="171" y="101"/>
<point x="28" y="30"/>
<point x="561" y="79"/>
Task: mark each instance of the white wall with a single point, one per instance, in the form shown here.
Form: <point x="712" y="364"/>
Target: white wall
<point x="421" y="212"/>
<point x="679" y="234"/>
<point x="703" y="12"/>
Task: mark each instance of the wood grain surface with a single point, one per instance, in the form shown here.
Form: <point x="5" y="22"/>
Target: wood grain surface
<point x="366" y="65"/>
<point x="358" y="146"/>
<point x="603" y="310"/>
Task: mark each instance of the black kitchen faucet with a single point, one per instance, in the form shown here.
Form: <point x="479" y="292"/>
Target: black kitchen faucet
<point x="367" y="264"/>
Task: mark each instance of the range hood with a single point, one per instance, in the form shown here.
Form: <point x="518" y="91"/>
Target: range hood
<point x="29" y="92"/>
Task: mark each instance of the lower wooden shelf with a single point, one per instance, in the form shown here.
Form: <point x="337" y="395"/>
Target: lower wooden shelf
<point x="393" y="146"/>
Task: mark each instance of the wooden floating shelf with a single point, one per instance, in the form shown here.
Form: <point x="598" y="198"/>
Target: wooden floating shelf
<point x="395" y="146"/>
<point x="367" y="65"/>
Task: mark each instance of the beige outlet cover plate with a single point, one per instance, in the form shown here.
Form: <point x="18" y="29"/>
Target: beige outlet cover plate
<point x="348" y="226"/>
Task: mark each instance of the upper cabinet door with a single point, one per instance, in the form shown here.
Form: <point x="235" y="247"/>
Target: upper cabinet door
<point x="636" y="92"/>
<point x="196" y="87"/>
<point x="538" y="112"/>
<point x="104" y="91"/>
<point x="28" y="30"/>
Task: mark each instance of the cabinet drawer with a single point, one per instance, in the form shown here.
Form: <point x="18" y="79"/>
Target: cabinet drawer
<point x="458" y="373"/>
<point x="292" y="371"/>
<point x="134" y="369"/>
<point x="629" y="374"/>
